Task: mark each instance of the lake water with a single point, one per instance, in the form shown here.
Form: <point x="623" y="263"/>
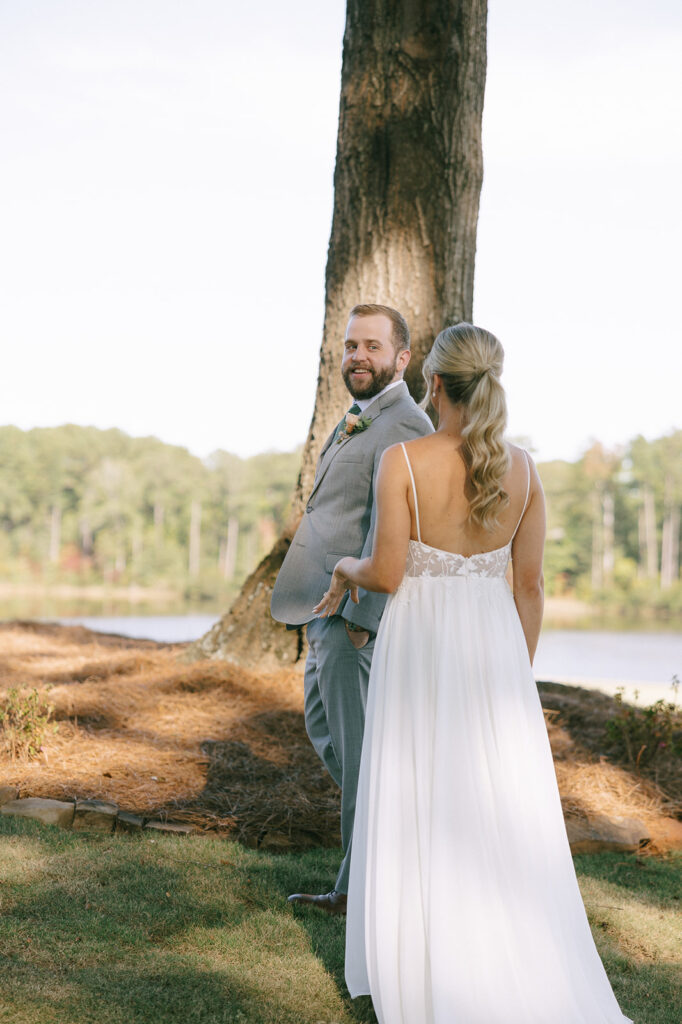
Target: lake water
<point x="568" y="655"/>
<point x="169" y="629"/>
<point x="564" y="655"/>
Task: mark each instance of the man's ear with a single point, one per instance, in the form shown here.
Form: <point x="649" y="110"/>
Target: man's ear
<point x="403" y="359"/>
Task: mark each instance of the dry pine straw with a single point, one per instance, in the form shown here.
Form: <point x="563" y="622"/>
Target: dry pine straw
<point x="220" y="746"/>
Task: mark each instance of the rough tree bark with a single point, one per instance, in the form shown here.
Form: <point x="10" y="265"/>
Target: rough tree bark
<point x="406" y="193"/>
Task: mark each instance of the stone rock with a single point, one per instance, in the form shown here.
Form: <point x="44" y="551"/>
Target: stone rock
<point x="666" y="834"/>
<point x="50" y="812"/>
<point x="95" y="816"/>
<point x="127" y="822"/>
<point x="8" y="793"/>
<point x="169" y="828"/>
<point x="595" y="833"/>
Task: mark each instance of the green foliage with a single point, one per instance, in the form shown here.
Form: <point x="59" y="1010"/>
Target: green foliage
<point x="156" y="930"/>
<point x="80" y="505"/>
<point x="24" y="720"/>
<point x="631" y="600"/>
<point x="85" y="506"/>
<point x="612" y="522"/>
<point x="645" y="736"/>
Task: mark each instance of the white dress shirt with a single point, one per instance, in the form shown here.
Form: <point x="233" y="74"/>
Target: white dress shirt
<point x="365" y="402"/>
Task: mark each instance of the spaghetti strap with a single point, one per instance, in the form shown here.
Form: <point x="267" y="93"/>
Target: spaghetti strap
<point x="414" y="492"/>
<point x="525" y="504"/>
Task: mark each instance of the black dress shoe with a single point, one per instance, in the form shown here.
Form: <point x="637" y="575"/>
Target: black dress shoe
<point x="332" y="902"/>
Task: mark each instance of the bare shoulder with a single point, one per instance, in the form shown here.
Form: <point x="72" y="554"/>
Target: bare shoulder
<point x="519" y="456"/>
<point x="393" y="465"/>
<point x="522" y="462"/>
<point x="394" y="455"/>
<point x="416" y="445"/>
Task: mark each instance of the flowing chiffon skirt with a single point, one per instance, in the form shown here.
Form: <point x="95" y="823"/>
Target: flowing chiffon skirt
<point x="463" y="904"/>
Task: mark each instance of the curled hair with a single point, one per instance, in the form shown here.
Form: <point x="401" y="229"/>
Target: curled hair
<point x="400" y="335"/>
<point x="469" y="360"/>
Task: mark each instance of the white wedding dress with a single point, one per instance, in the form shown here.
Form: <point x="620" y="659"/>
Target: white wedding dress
<point x="463" y="904"/>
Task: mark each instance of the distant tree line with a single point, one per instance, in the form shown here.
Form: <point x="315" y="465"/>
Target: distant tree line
<point x="83" y="505"/>
<point x="79" y="504"/>
<point x="614" y="525"/>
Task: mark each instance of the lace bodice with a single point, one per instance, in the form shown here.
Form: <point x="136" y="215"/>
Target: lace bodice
<point x="423" y="560"/>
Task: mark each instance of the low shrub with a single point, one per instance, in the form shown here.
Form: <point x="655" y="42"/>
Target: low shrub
<point x="24" y="721"/>
<point x="642" y="736"/>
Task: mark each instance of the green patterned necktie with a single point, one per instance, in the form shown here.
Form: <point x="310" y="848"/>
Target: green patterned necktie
<point x="353" y="411"/>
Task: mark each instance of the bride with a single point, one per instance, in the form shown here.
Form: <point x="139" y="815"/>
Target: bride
<point x="463" y="904"/>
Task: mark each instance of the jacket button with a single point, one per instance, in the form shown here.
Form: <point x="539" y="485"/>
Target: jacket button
<point x="309" y="508"/>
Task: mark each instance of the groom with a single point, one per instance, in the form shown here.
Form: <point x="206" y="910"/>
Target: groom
<point x="339" y="520"/>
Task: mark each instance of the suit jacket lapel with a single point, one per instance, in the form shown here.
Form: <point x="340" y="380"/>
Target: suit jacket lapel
<point x="326" y="455"/>
<point x="326" y="446"/>
<point x="373" y="411"/>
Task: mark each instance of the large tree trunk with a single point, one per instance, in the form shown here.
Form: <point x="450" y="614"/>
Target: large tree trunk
<point x="247" y="634"/>
<point x="407" y="183"/>
<point x="406" y="192"/>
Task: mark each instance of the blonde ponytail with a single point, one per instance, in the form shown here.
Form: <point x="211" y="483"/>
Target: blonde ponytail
<point x="469" y="360"/>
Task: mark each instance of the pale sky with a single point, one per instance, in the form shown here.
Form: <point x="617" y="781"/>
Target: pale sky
<point x="166" y="196"/>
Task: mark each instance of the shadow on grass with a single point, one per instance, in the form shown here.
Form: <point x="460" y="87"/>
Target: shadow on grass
<point x="107" y="930"/>
<point x="327" y="935"/>
<point x="96" y="947"/>
<point x="125" y="901"/>
<point x="313" y="872"/>
<point x="648" y="993"/>
<point x="654" y="880"/>
<point x="147" y="994"/>
<point x="128" y="929"/>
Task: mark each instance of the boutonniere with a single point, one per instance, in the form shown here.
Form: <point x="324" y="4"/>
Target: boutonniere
<point x="353" y="424"/>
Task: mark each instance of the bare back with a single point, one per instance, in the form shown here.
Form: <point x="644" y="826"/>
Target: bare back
<point x="434" y="472"/>
<point x="440" y="476"/>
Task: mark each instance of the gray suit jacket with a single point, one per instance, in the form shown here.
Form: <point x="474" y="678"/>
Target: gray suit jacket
<point x="339" y="517"/>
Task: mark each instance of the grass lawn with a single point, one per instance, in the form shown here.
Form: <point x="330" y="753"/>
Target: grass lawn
<point x="151" y="929"/>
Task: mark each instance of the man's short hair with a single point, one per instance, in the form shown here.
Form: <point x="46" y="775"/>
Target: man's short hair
<point x="401" y="332"/>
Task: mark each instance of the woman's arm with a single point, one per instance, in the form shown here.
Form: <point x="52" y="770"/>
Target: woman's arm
<point x="527" y="551"/>
<point x="385" y="568"/>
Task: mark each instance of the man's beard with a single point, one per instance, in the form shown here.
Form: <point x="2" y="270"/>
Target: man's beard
<point x="378" y="379"/>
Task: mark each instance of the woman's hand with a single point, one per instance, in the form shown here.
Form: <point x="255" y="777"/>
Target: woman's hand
<point x="332" y="598"/>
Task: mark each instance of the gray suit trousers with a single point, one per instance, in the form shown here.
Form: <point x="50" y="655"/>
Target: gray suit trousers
<point x="335" y="696"/>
